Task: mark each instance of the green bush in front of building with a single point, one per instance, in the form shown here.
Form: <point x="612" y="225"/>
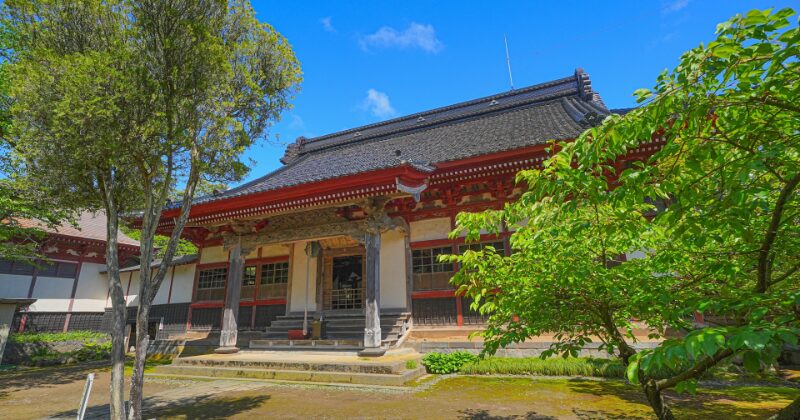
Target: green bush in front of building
<point x="55" y="348"/>
<point x="444" y="363"/>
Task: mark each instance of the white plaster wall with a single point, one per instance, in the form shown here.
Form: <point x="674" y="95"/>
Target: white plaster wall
<point x="184" y="282"/>
<point x="52" y="294"/>
<point x="14" y="286"/>
<point x="426" y="230"/>
<point x="393" y="269"/>
<point x="298" y="266"/>
<point x="123" y="279"/>
<point x="252" y="254"/>
<point x="268" y="251"/>
<point x="181" y="288"/>
<point x="213" y="254"/>
<point x="132" y="290"/>
<point x="163" y="291"/>
<point x="90" y="296"/>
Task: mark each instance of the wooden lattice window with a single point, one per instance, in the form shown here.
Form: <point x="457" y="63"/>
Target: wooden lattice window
<point x="211" y="284"/>
<point x="429" y="272"/>
<point x="274" y="278"/>
<point x="249" y="282"/>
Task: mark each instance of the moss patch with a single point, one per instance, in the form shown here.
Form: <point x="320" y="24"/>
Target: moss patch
<point x="149" y="364"/>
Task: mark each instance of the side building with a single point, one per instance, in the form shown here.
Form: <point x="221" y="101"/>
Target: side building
<point x="68" y="285"/>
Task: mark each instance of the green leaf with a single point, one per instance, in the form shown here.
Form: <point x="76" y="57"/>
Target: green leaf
<point x="632" y="372"/>
<point x="752" y="361"/>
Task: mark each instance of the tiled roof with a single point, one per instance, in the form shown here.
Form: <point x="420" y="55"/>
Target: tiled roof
<point x="89" y="226"/>
<point x="556" y="110"/>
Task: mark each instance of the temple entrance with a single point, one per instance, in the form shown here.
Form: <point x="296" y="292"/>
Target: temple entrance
<point x="343" y="281"/>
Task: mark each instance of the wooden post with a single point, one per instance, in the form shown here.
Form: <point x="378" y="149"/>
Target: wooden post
<point x="230" y="312"/>
<point x="372" y="331"/>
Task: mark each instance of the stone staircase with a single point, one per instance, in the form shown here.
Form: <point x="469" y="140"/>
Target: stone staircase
<point x="342" y="331"/>
<point x="397" y="369"/>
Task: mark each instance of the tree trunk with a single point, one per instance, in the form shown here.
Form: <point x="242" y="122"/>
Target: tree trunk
<point x="656" y="401"/>
<point x="790" y="412"/>
<point x="118" y="309"/>
<point x="148" y="283"/>
<point x="137" y="379"/>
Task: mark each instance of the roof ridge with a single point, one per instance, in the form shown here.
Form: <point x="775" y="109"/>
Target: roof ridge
<point x="296" y="149"/>
<point x="542" y="101"/>
<point x="462" y="104"/>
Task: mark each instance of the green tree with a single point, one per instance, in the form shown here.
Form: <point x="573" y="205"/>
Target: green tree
<point x="75" y="108"/>
<point x="19" y="203"/>
<point x="137" y="97"/>
<point x="160" y="242"/>
<point x="727" y="245"/>
<point x="221" y="77"/>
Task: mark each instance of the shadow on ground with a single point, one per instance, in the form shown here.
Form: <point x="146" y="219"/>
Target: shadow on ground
<point x="202" y="407"/>
<point x="46" y="377"/>
<point x="478" y="414"/>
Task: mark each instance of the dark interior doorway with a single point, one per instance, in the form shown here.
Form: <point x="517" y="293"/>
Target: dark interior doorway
<point x="347" y="291"/>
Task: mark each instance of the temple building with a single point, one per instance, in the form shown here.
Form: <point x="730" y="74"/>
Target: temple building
<point x="348" y="231"/>
<point x="340" y="245"/>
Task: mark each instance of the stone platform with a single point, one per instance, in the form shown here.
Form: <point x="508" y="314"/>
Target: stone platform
<point x="393" y="369"/>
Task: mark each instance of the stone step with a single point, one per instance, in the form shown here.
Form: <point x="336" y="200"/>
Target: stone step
<point x="347" y="328"/>
<point x="267" y="360"/>
<point x="355" y="335"/>
<point x="312" y="376"/>
<point x="283" y="344"/>
<point x="361" y="323"/>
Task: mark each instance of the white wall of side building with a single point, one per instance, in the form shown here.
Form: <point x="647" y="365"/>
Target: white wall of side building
<point x="182" y="286"/>
<point x="52" y="294"/>
<point x="393" y="269"/>
<point x="90" y="296"/>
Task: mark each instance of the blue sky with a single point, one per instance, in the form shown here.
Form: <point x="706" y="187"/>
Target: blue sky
<point x="367" y="61"/>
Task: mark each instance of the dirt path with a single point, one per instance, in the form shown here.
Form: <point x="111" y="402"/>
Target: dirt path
<point x="55" y="393"/>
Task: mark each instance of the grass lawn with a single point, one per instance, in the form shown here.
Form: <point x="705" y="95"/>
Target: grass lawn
<point x="46" y="392"/>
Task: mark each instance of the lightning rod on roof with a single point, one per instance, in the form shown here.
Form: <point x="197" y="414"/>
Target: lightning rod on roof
<point x="508" y="62"/>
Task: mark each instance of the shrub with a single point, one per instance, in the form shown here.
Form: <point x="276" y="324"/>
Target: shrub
<point x="447" y="362"/>
<point x="556" y="366"/>
<point x="54" y="348"/>
<point x="92" y="350"/>
<point x="411" y="364"/>
<point x="55" y="337"/>
<point x="573" y="366"/>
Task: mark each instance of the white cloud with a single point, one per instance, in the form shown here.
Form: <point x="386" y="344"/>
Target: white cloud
<point x="377" y="103"/>
<point x="327" y="24"/>
<point x="297" y="123"/>
<point x="673" y="6"/>
<point x="415" y="36"/>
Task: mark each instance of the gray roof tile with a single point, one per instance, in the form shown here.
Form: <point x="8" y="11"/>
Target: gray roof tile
<point x="557" y="110"/>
